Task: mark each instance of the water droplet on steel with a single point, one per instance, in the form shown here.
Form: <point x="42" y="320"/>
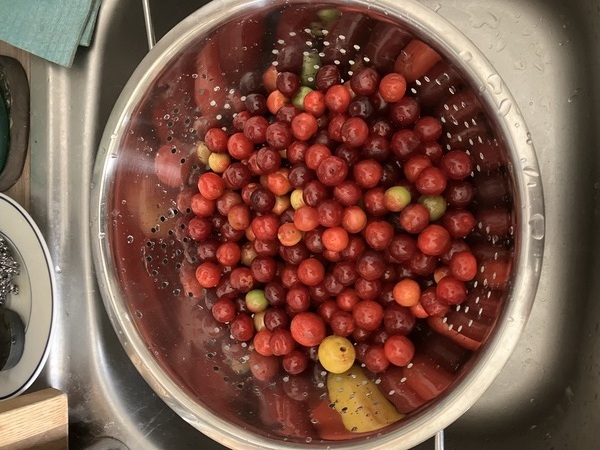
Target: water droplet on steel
<point x="466" y="55"/>
<point x="573" y="97"/>
<point x="495" y="82"/>
<point x="504" y="107"/>
<point x="531" y="171"/>
<point x="519" y="64"/>
<point x="536" y="223"/>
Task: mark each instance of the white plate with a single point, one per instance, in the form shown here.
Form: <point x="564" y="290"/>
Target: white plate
<point x="35" y="301"/>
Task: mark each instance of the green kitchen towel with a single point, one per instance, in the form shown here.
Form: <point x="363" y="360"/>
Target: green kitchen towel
<point x="50" y="29"/>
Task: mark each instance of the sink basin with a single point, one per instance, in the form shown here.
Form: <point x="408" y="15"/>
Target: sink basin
<point x="546" y="397"/>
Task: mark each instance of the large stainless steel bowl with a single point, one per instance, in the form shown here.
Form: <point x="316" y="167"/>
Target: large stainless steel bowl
<point x="169" y="335"/>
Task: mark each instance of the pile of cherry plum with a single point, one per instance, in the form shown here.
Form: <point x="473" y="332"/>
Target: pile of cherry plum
<point x="332" y="206"/>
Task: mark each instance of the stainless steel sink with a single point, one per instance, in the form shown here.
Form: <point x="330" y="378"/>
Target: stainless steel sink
<point x="548" y="54"/>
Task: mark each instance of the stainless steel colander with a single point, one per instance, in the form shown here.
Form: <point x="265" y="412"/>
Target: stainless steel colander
<point x="145" y="263"/>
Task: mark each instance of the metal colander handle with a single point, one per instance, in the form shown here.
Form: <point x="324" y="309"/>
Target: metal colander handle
<point x="439" y="440"/>
<point x="149" y="25"/>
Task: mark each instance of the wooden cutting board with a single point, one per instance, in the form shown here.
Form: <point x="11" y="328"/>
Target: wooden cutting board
<point x="38" y="420"/>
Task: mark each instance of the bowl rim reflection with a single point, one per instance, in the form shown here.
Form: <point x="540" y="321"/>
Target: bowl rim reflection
<point x="528" y="206"/>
